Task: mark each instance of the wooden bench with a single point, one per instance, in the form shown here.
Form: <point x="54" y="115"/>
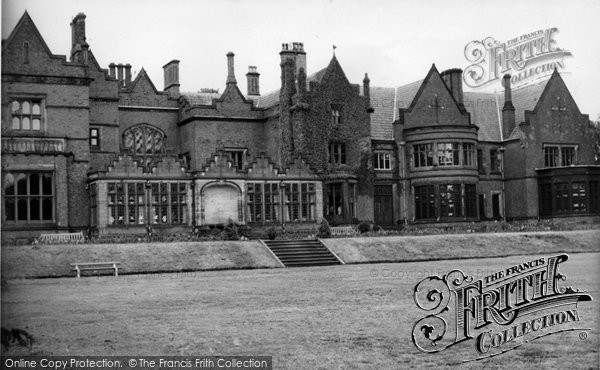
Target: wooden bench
<point x="343" y="230"/>
<point x="95" y="266"/>
<point x="62" y="238"/>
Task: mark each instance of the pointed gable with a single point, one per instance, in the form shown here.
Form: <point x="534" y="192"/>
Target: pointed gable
<point x="26" y="52"/>
<point x="142" y="92"/>
<point x="557" y="112"/>
<point x="433" y="105"/>
<point x="332" y="75"/>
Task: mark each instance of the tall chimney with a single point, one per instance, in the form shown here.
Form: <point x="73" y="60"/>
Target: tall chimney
<point x="230" y="71"/>
<point x="252" y="77"/>
<point x="171" y="74"/>
<point x="78" y="43"/>
<point x="366" y="86"/>
<point x="127" y="74"/>
<point x="294" y="51"/>
<point x="508" y="110"/>
<point x="120" y="74"/>
<point x="453" y="79"/>
<point x="111" y="69"/>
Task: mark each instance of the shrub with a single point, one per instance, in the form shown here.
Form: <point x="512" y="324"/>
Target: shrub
<point x="377" y="228"/>
<point x="272" y="233"/>
<point x="324" y="229"/>
<point x="364" y="227"/>
<point x="230" y="232"/>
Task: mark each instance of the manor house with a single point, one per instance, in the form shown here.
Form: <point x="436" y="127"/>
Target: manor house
<point x="91" y="148"/>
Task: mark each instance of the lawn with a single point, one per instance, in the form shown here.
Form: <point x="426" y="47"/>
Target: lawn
<point x="351" y="316"/>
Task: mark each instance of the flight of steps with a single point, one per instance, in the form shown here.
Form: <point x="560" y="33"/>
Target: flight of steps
<point x="300" y="253"/>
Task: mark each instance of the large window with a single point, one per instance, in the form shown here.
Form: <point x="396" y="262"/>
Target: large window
<point x="335" y="200"/>
<point x="423" y="155"/>
<point x="569" y="198"/>
<point x="448" y="154"/>
<point x="450" y="200"/>
<point x="29" y="197"/>
<point x="145" y="142"/>
<point x="263" y="201"/>
<point x="337" y="153"/>
<point x="26" y="114"/>
<point x="139" y="203"/>
<point x="468" y="154"/>
<point x="424" y="202"/>
<point x="560" y="155"/>
<point x="382" y="161"/>
<point x="445" y="201"/>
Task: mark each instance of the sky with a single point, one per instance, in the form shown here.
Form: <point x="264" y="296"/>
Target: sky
<point x="395" y="42"/>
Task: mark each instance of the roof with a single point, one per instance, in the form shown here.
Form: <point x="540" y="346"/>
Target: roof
<point x="199" y="98"/>
<point x="386" y="101"/>
<point x="485" y="108"/>
<point x="268" y="100"/>
<point x="525" y="98"/>
<point x="485" y="114"/>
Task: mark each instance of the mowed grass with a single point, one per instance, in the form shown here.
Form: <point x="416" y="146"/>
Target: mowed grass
<point x="351" y="316"/>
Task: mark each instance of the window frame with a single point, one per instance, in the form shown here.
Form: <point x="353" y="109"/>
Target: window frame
<point x="94" y="137"/>
<point x="237" y="156"/>
<point x="337" y="153"/>
<point x="555" y="155"/>
<point x="381" y="163"/>
<point x="27" y="197"/>
<point x="31" y="116"/>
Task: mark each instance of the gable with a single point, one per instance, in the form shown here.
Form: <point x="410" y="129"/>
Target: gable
<point x="26" y="52"/>
<point x="232" y="101"/>
<point x="142" y="92"/>
<point x="557" y="115"/>
<point x="433" y="105"/>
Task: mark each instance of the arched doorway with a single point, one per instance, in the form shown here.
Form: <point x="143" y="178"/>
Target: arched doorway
<point x="221" y="204"/>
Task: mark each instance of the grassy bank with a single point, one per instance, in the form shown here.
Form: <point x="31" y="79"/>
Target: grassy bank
<point x="55" y="260"/>
<point x="435" y="247"/>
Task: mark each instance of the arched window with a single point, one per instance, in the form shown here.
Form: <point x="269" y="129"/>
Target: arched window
<point x="145" y="142"/>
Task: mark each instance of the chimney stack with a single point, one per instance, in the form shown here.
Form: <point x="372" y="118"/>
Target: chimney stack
<point x="294" y="51"/>
<point x="79" y="47"/>
<point x="508" y="110"/>
<point x="230" y="71"/>
<point x="366" y="87"/>
<point x="120" y="74"/>
<point x="127" y="74"/>
<point x="111" y="69"/>
<point x="453" y="79"/>
<point x="171" y="74"/>
<point x="253" y="78"/>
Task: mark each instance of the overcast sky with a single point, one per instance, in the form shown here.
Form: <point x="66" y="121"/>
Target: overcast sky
<point x="394" y="41"/>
